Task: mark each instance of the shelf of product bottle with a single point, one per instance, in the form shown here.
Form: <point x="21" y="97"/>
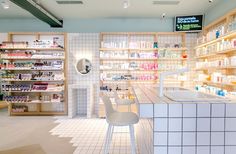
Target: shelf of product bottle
<point x="222" y="47"/>
<point x="227" y="62"/>
<point x="34" y="102"/>
<point x="54" y="64"/>
<point x="29" y="48"/>
<point x="36" y="87"/>
<point x="218" y="83"/>
<point x="216" y="53"/>
<point x="45" y="58"/>
<point x="142" y="49"/>
<point x="215" y="91"/>
<point x="55" y="43"/>
<point x="218" y="78"/>
<point x="17" y="80"/>
<point x="228" y="35"/>
<point x="33" y="76"/>
<point x="53" y="98"/>
<point x="25" y="69"/>
<point x="141" y="59"/>
<point x="16" y="113"/>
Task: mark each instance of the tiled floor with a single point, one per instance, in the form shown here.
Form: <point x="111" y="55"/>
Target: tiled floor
<point x="88" y="135"/>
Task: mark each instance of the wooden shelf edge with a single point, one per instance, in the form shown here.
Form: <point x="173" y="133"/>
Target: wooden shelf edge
<point x="37" y="113"/>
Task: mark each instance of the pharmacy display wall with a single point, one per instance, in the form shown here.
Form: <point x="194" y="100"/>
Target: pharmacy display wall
<point x="216" y="57"/>
<point x="33" y="67"/>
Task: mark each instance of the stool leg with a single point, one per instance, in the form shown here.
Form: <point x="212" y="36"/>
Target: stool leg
<point x="108" y="136"/>
<point x="132" y="139"/>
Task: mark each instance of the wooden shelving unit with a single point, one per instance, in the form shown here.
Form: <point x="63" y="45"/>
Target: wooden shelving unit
<point x="38" y="108"/>
<point x="149" y="38"/>
<point x="217" y="50"/>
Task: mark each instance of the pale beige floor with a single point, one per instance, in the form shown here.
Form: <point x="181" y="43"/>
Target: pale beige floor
<point x="23" y="131"/>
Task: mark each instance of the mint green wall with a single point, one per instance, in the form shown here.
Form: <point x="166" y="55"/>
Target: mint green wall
<point x="219" y="10"/>
<point x="91" y="25"/>
<point x="112" y="25"/>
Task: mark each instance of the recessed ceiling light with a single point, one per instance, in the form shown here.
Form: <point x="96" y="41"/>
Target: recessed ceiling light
<point x="5" y="4"/>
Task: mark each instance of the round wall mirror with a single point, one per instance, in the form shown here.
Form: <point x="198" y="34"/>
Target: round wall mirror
<point x="83" y="66"/>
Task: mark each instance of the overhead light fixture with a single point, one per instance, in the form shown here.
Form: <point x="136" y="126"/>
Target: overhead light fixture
<point x="5" y="4"/>
<point x="126" y="4"/>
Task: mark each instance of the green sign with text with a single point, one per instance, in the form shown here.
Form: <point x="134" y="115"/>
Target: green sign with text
<point x="188" y="23"/>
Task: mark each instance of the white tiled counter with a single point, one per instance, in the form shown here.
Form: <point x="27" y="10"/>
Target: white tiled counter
<point x="185" y="128"/>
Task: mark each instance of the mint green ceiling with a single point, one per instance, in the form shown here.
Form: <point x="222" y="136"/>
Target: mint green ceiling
<point x="112" y="9"/>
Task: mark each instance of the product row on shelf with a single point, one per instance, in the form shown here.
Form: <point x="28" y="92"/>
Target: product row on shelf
<point x="135" y="66"/>
<point x="32" y="87"/>
<point x="56" y="42"/>
<point x="31" y="54"/>
<point x="44" y="98"/>
<point x="225" y="62"/>
<point x="218" y="77"/>
<point x="135" y="55"/>
<point x="218" y="31"/>
<point x="141" y="44"/>
<point x="135" y="77"/>
<point x="33" y="72"/>
<point x="33" y="76"/>
<point x="32" y="65"/>
<point x="217" y="47"/>
<point x="216" y="91"/>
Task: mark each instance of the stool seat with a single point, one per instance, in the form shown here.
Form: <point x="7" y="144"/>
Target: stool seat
<point x="122" y="118"/>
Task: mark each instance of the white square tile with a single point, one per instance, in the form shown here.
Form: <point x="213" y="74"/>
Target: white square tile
<point x="174" y="150"/>
<point x="175" y="110"/>
<point x="160" y="150"/>
<point x="218" y="110"/>
<point x="203" y="150"/>
<point x="230" y="150"/>
<point x="203" y="124"/>
<point x="189" y="150"/>
<point x="217" y="124"/>
<point x="146" y="110"/>
<point x="160" y="110"/>
<point x="230" y="124"/>
<point x="189" y="138"/>
<point x="175" y="124"/>
<point x="203" y="110"/>
<point x="175" y="138"/>
<point x="203" y="138"/>
<point x="189" y="110"/>
<point x="160" y="124"/>
<point x="217" y="138"/>
<point x="160" y="138"/>
<point x="189" y="124"/>
<point x="217" y="150"/>
<point x="230" y="138"/>
<point x="230" y="110"/>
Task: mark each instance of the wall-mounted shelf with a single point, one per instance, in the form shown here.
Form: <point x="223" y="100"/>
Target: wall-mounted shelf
<point x="228" y="51"/>
<point x="217" y="47"/>
<point x="41" y="49"/>
<point x="226" y="36"/>
<point x="21" y="53"/>
<point x="140" y="55"/>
